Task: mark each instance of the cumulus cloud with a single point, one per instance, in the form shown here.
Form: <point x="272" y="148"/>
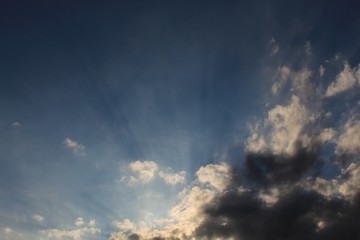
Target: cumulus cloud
<point x="345" y="80"/>
<point x="125" y="225"/>
<point x="79" y="221"/>
<point x="215" y="175"/>
<point x="38" y="218"/>
<point x="76" y="234"/>
<point x="187" y="214"/>
<point x="285" y="128"/>
<point x="75" y="147"/>
<point x="144" y="172"/>
<point x="172" y="178"/>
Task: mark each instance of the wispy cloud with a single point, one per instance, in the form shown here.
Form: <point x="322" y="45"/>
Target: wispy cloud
<point x="38" y="218"/>
<point x="75" y="147"/>
<point x="16" y="124"/>
<point x="172" y="178"/>
<point x="274" y="48"/>
<point x="345" y="80"/>
<point x="144" y="172"/>
<point x="76" y="234"/>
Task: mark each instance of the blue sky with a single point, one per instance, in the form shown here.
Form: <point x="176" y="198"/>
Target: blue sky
<point x="114" y="115"/>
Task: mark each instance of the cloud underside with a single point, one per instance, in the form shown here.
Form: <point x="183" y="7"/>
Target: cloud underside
<point x="280" y="190"/>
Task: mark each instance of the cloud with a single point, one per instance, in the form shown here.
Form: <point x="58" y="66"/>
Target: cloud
<point x="308" y="50"/>
<point x="79" y="222"/>
<point x="217" y="176"/>
<point x="283" y="188"/>
<point x="274" y="48"/>
<point x="285" y="126"/>
<point x="7" y="230"/>
<point x="299" y="80"/>
<point x="38" y="218"/>
<point x="187" y="214"/>
<point x="321" y="70"/>
<point x="16" y="124"/>
<point x="145" y="172"/>
<point x="75" y="147"/>
<point x="172" y="178"/>
<point x="125" y="225"/>
<point x="75" y="234"/>
<point x="349" y="140"/>
<point x="345" y="80"/>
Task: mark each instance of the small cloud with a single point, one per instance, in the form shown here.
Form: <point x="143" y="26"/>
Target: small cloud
<point x="38" y="218"/>
<point x="92" y="223"/>
<point x="345" y="80"/>
<point x="172" y="178"/>
<point x="16" y="124"/>
<point x="273" y="47"/>
<point x="308" y="50"/>
<point x="76" y="147"/>
<point x="79" y="222"/>
<point x="7" y="230"/>
<point x="321" y="70"/>
<point x="125" y="225"/>
<point x="144" y="170"/>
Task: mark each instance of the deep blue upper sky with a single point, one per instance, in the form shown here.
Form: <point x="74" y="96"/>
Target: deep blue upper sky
<point x="176" y="82"/>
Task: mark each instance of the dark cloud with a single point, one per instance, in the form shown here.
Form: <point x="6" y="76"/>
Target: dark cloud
<point x="133" y="237"/>
<point x="297" y="214"/>
<point x="268" y="169"/>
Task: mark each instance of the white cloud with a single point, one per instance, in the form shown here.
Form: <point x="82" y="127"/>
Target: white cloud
<point x="79" y="221"/>
<point x="285" y="125"/>
<point x="188" y="213"/>
<point x="92" y="223"/>
<point x="16" y="124"/>
<point x="218" y="176"/>
<point x="283" y="74"/>
<point x="349" y="140"/>
<point x="347" y="184"/>
<point x="38" y="218"/>
<point x="144" y="170"/>
<point x="125" y="225"/>
<point x="270" y="197"/>
<point x="345" y="80"/>
<point x="327" y="135"/>
<point x="76" y="147"/>
<point x="75" y="234"/>
<point x="351" y="186"/>
<point x="172" y="178"/>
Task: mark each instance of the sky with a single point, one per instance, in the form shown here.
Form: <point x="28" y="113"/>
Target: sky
<point x="179" y="120"/>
